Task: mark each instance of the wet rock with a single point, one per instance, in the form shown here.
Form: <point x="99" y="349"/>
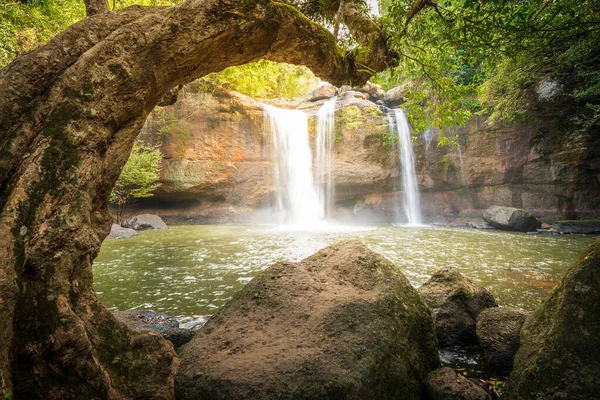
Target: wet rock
<point x="395" y="96"/>
<point x="559" y="356"/>
<point x="146" y="319"/>
<point x="178" y="336"/>
<point x="455" y="302"/>
<point x="478" y="224"/>
<point x="546" y="232"/>
<point x="583" y="226"/>
<point x="144" y="222"/>
<point x="498" y="331"/>
<point x="445" y="384"/>
<point x="343" y="323"/>
<point x="322" y="93"/>
<point x="512" y="219"/>
<point x="118" y="232"/>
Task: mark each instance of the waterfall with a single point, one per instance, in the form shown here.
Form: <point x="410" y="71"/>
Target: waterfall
<point x="410" y="189"/>
<point x="324" y="157"/>
<point x="297" y="201"/>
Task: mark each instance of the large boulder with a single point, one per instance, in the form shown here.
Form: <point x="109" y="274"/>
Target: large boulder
<point x="144" y="222"/>
<point x="445" y="384"/>
<point x="343" y="323"/>
<point x="118" y="232"/>
<point x="559" y="357"/>
<point x="583" y="226"/>
<point x="498" y="332"/>
<point x="511" y="219"/>
<point x="455" y="302"/>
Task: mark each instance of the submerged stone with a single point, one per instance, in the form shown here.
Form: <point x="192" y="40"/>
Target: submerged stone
<point x="455" y="302"/>
<point x="343" y="323"/>
<point x="146" y="319"/>
<point x="559" y="357"/>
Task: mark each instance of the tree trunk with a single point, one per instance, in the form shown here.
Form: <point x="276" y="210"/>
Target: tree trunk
<point x="69" y="114"/>
<point x="93" y="7"/>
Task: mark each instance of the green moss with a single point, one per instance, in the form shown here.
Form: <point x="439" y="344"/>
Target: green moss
<point x="118" y="70"/>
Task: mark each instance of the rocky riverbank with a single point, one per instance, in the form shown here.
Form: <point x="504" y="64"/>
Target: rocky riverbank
<point x="345" y="323"/>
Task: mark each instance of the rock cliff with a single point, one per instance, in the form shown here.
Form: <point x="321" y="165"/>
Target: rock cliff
<point x="217" y="161"/>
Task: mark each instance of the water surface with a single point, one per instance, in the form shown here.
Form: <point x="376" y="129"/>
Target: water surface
<point x="191" y="271"/>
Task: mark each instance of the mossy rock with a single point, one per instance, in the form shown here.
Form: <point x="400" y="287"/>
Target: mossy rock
<point x="341" y="324"/>
<point x="559" y="357"/>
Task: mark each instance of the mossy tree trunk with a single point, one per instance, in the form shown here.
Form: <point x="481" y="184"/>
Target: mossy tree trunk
<point x="69" y="114"/>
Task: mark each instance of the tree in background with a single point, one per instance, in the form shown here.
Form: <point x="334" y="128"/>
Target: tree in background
<point x="138" y="179"/>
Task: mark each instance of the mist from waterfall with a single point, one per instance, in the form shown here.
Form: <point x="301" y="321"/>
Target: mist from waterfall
<point x="297" y="201"/>
<point x="410" y="189"/>
<point x="324" y="156"/>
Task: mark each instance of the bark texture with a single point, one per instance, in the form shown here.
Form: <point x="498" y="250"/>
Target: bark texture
<point x="69" y="114"/>
<point x="93" y="7"/>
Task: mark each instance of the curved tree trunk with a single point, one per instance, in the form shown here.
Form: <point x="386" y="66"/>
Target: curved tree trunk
<point x="69" y="114"/>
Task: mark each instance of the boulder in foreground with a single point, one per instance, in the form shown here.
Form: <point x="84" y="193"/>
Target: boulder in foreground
<point x="144" y="222"/>
<point x="559" y="357"/>
<point x="341" y="324"/>
<point x="455" y="302"/>
<point x="498" y="332"/>
<point x="511" y="219"/>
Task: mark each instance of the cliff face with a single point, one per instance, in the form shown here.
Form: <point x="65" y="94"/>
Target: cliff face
<point x="542" y="168"/>
<point x="217" y="162"/>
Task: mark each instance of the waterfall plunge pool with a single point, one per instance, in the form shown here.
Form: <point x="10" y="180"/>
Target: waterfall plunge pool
<point x="191" y="271"/>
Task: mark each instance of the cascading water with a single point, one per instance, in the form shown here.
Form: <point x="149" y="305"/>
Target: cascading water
<point x="297" y="200"/>
<point x="410" y="189"/>
<point x="324" y="157"/>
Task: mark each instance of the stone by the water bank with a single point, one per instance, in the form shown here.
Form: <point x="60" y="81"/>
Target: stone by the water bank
<point x="498" y="332"/>
<point x="445" y="384"/>
<point x="144" y="222"/>
<point x="343" y="323"/>
<point x="146" y="319"/>
<point x="118" y="232"/>
<point x="164" y="324"/>
<point x="455" y="302"/>
<point x="579" y="226"/>
<point x="559" y="356"/>
<point x="512" y="219"/>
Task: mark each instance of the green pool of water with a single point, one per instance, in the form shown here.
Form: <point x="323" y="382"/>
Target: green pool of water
<point x="191" y="271"/>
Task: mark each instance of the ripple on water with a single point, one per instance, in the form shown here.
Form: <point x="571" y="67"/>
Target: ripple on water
<point x="190" y="271"/>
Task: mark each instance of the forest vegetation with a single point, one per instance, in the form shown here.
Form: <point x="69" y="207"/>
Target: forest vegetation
<point x="457" y="58"/>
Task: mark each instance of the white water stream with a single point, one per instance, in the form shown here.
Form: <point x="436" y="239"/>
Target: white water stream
<point x="304" y="196"/>
<point x="297" y="202"/>
<point x="410" y="189"/>
<point x="324" y="157"/>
